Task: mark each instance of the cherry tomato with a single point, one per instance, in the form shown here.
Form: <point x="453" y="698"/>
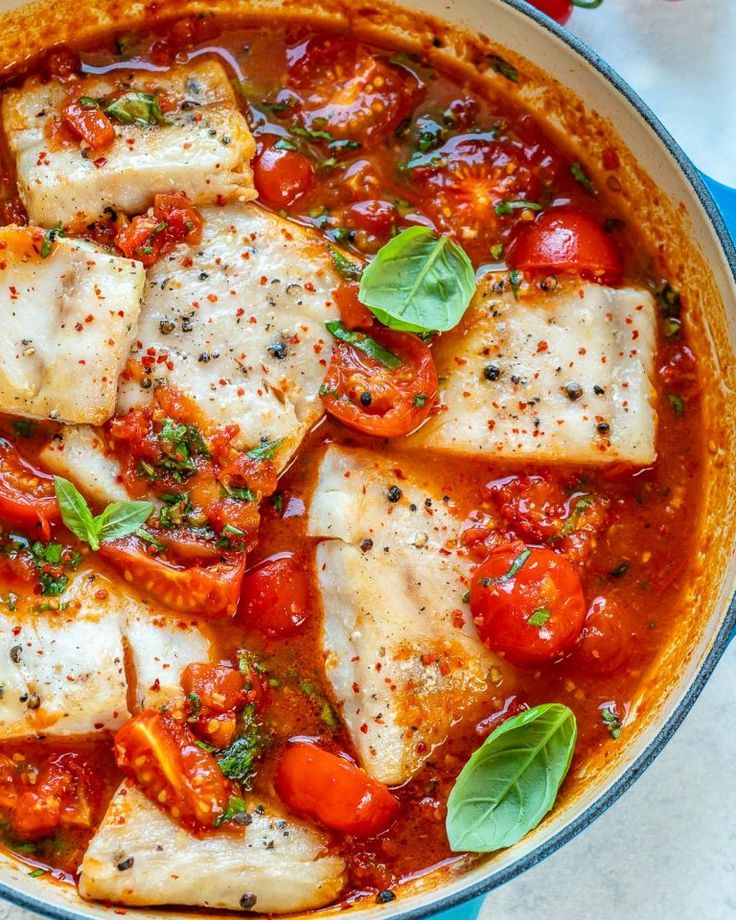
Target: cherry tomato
<point x="211" y="591"/>
<point x="330" y="789"/>
<point x="281" y="175"/>
<point x="563" y="240"/>
<point x="64" y="793"/>
<point x="467" y="179"/>
<point x="348" y="92"/>
<point x="352" y="312"/>
<point x="27" y="496"/>
<point x="602" y="645"/>
<point x="512" y="706"/>
<point x="275" y="597"/>
<point x="63" y="64"/>
<point x="162" y="756"/>
<point x="90" y="124"/>
<point x="217" y="687"/>
<point x="373" y="219"/>
<point x="368" y="396"/>
<point x="527" y="603"/>
<point x="559" y="10"/>
<point x="172" y="220"/>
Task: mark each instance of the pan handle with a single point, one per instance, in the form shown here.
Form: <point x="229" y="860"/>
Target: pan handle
<point x="726" y="200"/>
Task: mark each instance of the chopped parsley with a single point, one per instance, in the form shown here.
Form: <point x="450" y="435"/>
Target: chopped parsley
<point x="515" y="566"/>
<point x="611" y="721"/>
<point x="539" y="618"/>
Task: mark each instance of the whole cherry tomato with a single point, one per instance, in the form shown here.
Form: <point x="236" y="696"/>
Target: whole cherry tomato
<point x="275" y="597"/>
<point x="280" y="172"/>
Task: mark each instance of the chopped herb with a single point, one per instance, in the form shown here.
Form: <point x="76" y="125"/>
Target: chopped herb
<point x="571" y="524"/>
<point x="351" y="271"/>
<point x="24" y="428"/>
<point x="87" y="102"/>
<point x="581" y="177"/>
<point x="420" y="400"/>
<point x="466" y="597"/>
<point x="677" y="403"/>
<point x="266" y="450"/>
<point x="238" y="760"/>
<point x="611" y="721"/>
<point x="277" y="500"/>
<point x="235" y="806"/>
<point x="620" y="570"/>
<point x="513" y="569"/>
<point x="195" y="706"/>
<point x="508" y="206"/>
<point x="136" y="108"/>
<point x="502" y="66"/>
<point x="180" y="444"/>
<point x="539" y="618"/>
<point x="37" y="873"/>
<point x="117" y="520"/>
<point x="319" y="135"/>
<point x="49" y="238"/>
<point x="497" y="252"/>
<point x="515" y="279"/>
<point x="364" y="343"/>
<point x="283" y="143"/>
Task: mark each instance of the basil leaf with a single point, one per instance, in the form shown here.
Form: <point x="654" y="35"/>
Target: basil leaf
<point x="266" y="450"/>
<point x="75" y="512"/>
<point x="517" y="564"/>
<point x="511" y="781"/>
<point x="418" y="282"/>
<point x="364" y="343"/>
<point x="136" y="108"/>
<point x="121" y="518"/>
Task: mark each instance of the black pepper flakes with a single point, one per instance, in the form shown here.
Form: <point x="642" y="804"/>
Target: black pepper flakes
<point x="573" y="391"/>
<point x="166" y="326"/>
<point x="278" y="350"/>
<point x="248" y="901"/>
<point x="366" y="545"/>
<point x="366" y="399"/>
<point x="385" y="897"/>
<point x="394" y="494"/>
<point x="125" y="864"/>
<point x="603" y="427"/>
<point x="34" y="701"/>
<point x="16" y="653"/>
<point x="491" y="372"/>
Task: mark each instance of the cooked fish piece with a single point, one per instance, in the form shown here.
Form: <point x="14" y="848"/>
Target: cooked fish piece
<point x="559" y="377"/>
<point x="402" y="653"/>
<point x="203" y="148"/>
<point x="140" y="856"/>
<point x="63" y="672"/>
<point x="160" y="648"/>
<point x="68" y="318"/>
<point x="79" y="453"/>
<point x="241" y="321"/>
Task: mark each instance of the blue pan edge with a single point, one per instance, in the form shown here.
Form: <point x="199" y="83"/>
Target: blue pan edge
<point x="466" y="904"/>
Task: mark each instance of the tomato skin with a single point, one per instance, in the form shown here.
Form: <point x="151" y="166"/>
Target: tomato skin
<point x="400" y="399"/>
<point x="90" y="124"/>
<point x="501" y="607"/>
<point x="219" y="687"/>
<point x="27" y="496"/>
<point x="319" y="785"/>
<point x="559" y="10"/>
<point x="352" y="312"/>
<point x="564" y="240"/>
<point x="602" y="644"/>
<point x="211" y="591"/>
<point x="62" y="794"/>
<point x="275" y="597"/>
<point x="161" y="755"/>
<point x="281" y="176"/>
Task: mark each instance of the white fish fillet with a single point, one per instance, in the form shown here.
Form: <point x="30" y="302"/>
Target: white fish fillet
<point x="402" y="653"/>
<point x="586" y="335"/>
<point x="78" y="453"/>
<point x="242" y="320"/>
<point x="274" y="865"/>
<point x="64" y="672"/>
<point x="67" y="323"/>
<point x="204" y="151"/>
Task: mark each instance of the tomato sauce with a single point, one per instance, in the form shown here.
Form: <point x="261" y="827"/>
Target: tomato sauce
<point x="434" y="147"/>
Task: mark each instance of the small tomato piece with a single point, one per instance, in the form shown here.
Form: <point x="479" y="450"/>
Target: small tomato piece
<point x="319" y="785"/>
<point x="275" y="597"/>
<point x="352" y="312"/>
<point x="89" y="124"/>
<point x="527" y="603"/>
<point x="219" y="688"/>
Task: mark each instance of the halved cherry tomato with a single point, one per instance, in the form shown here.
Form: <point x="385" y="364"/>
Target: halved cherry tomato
<point x="330" y="789"/>
<point x="468" y="178"/>
<point x="90" y="124"/>
<point x="162" y="756"/>
<point x="281" y="175"/>
<point x="64" y="793"/>
<point x="27" y="496"/>
<point x="352" y="312"/>
<point x="563" y="240"/>
<point x="172" y="220"/>
<point x="347" y="91"/>
<point x="374" y="399"/>
<point x="527" y="603"/>
<point x="275" y="596"/>
<point x="211" y="591"/>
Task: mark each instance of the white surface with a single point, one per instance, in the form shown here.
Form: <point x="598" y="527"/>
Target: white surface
<point x="679" y="56"/>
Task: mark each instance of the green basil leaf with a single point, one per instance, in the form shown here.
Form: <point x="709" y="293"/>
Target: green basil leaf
<point x="511" y="781"/>
<point x="418" y="282"/>
<point x="364" y="343"/>
<point x="122" y="518"/>
<point x="266" y="450"/>
<point x="138" y="109"/>
<point x="75" y="512"/>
